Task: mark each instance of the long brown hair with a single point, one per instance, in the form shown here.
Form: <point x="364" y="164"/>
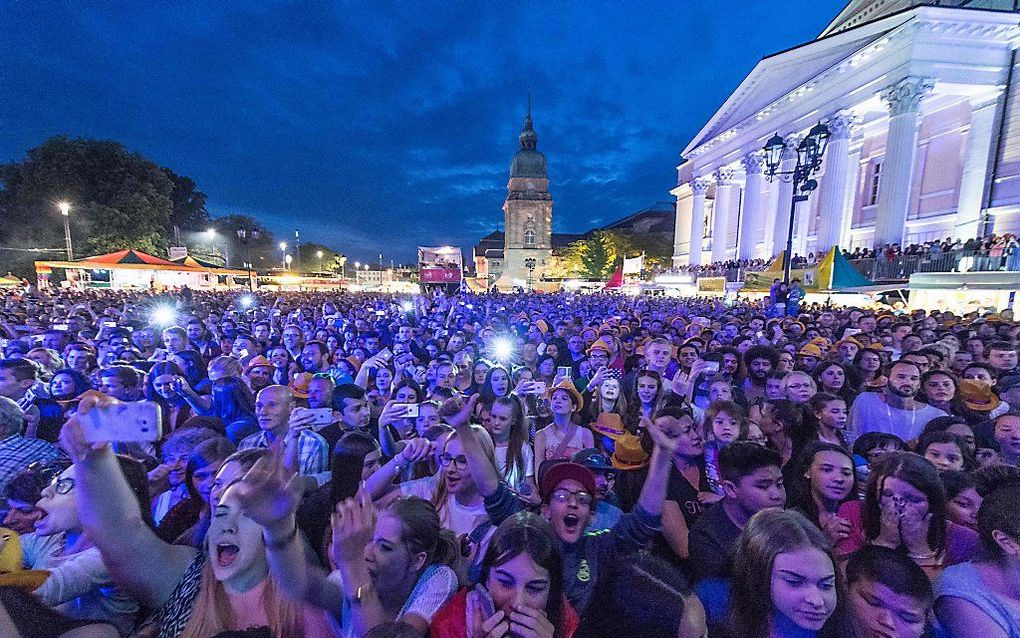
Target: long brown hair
<point x="769" y="533"/>
<point x="212" y="612"/>
<point x="518" y="435"/>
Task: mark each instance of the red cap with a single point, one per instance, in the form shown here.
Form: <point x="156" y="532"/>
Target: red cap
<point x="563" y="471"/>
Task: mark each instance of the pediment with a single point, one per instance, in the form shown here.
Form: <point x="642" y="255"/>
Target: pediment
<point x="785" y="72"/>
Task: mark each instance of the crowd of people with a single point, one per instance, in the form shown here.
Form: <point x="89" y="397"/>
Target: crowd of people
<point x="530" y="465"/>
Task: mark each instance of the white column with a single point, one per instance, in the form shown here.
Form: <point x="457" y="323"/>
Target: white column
<point x="699" y="187"/>
<point x="750" y="220"/>
<point x="725" y="194"/>
<point x="803" y="222"/>
<point x="833" y="210"/>
<point x="976" y="156"/>
<point x="781" y="221"/>
<point x="771" y="206"/>
<point x="904" y="101"/>
<point x="852" y="179"/>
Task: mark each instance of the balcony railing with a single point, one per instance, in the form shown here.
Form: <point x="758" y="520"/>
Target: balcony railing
<point x="900" y="267"/>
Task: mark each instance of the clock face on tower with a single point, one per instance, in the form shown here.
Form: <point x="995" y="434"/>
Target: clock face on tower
<point x="530" y="185"/>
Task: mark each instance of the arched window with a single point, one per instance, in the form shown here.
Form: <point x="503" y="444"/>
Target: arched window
<point x="529" y="237"/>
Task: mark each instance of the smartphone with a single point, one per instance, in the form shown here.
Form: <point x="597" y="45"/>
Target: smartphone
<point x="386" y="354"/>
<point x="849" y="332"/>
<point x="135" y="421"/>
<point x="564" y="371"/>
<point x="412" y="411"/>
<point x="537" y="387"/>
<point x="60" y="326"/>
<point x="380" y="313"/>
<point x="485" y="603"/>
<point x="322" y="416"/>
<point x="711" y="367"/>
<point x="109" y="324"/>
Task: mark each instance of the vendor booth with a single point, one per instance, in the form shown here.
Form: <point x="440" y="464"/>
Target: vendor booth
<point x="126" y="269"/>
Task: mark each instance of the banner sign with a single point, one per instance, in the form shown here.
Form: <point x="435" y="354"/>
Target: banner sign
<point x="632" y="266"/>
<point x="439" y="275"/>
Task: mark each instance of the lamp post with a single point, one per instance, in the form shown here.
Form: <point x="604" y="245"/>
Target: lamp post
<point x="245" y="236"/>
<point x="318" y="255"/>
<point x="211" y="234"/>
<point x="286" y="261"/>
<point x="65" y="210"/>
<point x="283" y="253"/>
<point x="530" y="264"/>
<point x="809" y="159"/>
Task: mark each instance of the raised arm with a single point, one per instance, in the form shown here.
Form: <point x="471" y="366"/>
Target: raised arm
<point x="111" y="517"/>
<point x="382" y="479"/>
<point x="485" y="474"/>
<point x="653" y="492"/>
<point x="269" y="494"/>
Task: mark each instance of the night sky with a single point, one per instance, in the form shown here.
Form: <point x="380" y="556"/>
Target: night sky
<point x="377" y="126"/>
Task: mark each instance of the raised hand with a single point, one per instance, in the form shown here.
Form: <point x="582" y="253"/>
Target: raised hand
<point x="269" y="493"/>
<point x="463" y="416"/>
<point x="662" y="439"/>
<point x="526" y="622"/>
<point x="353" y="523"/>
<point x="393" y="411"/>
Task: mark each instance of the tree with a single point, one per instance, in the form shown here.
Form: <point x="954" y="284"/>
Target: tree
<point x="593" y="257"/>
<point x="188" y="212"/>
<point x="118" y="200"/>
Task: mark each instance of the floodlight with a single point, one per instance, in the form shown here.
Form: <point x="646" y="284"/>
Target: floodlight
<point x="502" y="348"/>
<point x="246" y="301"/>
<point x="164" y="315"/>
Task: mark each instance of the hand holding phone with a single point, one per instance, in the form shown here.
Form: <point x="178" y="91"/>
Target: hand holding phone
<point x="134" y="421"/>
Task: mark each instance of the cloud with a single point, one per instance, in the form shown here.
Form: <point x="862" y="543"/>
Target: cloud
<point x="378" y="126"/>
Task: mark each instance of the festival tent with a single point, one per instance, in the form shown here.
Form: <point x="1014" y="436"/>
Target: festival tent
<point x="10" y="281"/>
<point x="616" y="281"/>
<point x="833" y="273"/>
<point x="135" y="269"/>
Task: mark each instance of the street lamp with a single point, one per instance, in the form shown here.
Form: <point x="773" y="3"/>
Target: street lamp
<point x="210" y="234"/>
<point x="65" y="210"/>
<point x="810" y="152"/>
<point x="318" y="255"/>
<point x="286" y="261"/>
<point x="246" y="235"/>
<point x="530" y="263"/>
<point x="283" y="252"/>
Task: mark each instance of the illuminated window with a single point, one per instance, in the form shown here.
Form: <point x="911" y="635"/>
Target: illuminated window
<point x="876" y="178"/>
<point x="529" y="237"/>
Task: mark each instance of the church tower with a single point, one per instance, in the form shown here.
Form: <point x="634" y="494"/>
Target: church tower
<point x="527" y="214"/>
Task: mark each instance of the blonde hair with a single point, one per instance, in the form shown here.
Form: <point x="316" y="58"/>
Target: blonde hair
<point x="225" y="366"/>
<point x="440" y="496"/>
<point x="211" y="612"/>
<point x="797" y="373"/>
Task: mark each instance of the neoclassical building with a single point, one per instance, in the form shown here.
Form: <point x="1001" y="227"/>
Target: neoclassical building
<point x="922" y="99"/>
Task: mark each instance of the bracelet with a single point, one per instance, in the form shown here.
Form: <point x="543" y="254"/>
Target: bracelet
<point x="281" y="544"/>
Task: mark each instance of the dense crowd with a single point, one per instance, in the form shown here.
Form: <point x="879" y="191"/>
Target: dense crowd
<point x="536" y="466"/>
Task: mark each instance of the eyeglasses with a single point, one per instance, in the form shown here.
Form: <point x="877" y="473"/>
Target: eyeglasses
<point x="564" y="495"/>
<point x="62" y="485"/>
<point x="460" y="461"/>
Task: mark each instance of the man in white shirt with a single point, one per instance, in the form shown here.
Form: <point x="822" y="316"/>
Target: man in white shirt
<point x="895" y="410"/>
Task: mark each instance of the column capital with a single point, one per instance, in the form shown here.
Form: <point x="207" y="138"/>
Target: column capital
<point x="905" y="95"/>
<point x="700" y="185"/>
<point x="842" y="124"/>
<point x="793" y="140"/>
<point x="724" y="176"/>
<point x="753" y="162"/>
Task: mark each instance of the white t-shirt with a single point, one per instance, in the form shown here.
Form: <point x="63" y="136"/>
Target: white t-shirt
<point x="452" y="515"/>
<point x="511" y="474"/>
<point x="436" y="585"/>
<point x="870" y="413"/>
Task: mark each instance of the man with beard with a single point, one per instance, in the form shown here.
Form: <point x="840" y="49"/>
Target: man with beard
<point x="568" y="501"/>
<point x="314" y="357"/>
<point x="258" y="373"/>
<point x="894" y="410"/>
<point x="760" y="362"/>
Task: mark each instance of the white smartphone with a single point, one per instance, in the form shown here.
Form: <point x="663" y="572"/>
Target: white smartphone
<point x="537" y="387"/>
<point x="134" y="421"/>
<point x="322" y="416"/>
<point x="412" y="410"/>
<point x="711" y="367"/>
<point x="849" y="332"/>
<point x="564" y="372"/>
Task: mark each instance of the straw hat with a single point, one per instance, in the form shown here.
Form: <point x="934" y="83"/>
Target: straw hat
<point x="258" y="361"/>
<point x="978" y="396"/>
<point x="629" y="455"/>
<point x="609" y="424"/>
<point x="568" y="386"/>
<point x="299" y="384"/>
<point x="810" y="350"/>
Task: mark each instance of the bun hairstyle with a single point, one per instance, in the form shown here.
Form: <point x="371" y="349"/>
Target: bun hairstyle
<point x="421" y="531"/>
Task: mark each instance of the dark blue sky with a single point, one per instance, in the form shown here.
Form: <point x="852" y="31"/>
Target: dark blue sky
<point x="377" y="126"/>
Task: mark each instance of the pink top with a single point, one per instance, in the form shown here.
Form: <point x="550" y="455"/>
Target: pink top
<point x="961" y="542"/>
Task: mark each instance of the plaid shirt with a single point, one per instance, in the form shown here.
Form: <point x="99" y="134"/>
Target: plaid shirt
<point x="17" y="452"/>
<point x="313" y="451"/>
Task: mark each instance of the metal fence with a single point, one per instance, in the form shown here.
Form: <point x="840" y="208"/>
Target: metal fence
<point x="900" y="268"/>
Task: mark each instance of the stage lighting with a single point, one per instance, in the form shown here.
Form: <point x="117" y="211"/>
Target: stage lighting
<point x="502" y="348"/>
<point x="164" y="315"/>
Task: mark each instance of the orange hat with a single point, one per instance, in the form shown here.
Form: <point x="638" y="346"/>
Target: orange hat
<point x="609" y="424"/>
<point x="977" y="396"/>
<point x="258" y="361"/>
<point x="355" y="362"/>
<point x="568" y="386"/>
<point x="600" y="345"/>
<point x="299" y="384"/>
<point x="628" y="454"/>
<point x="810" y="350"/>
<point x="542" y="326"/>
